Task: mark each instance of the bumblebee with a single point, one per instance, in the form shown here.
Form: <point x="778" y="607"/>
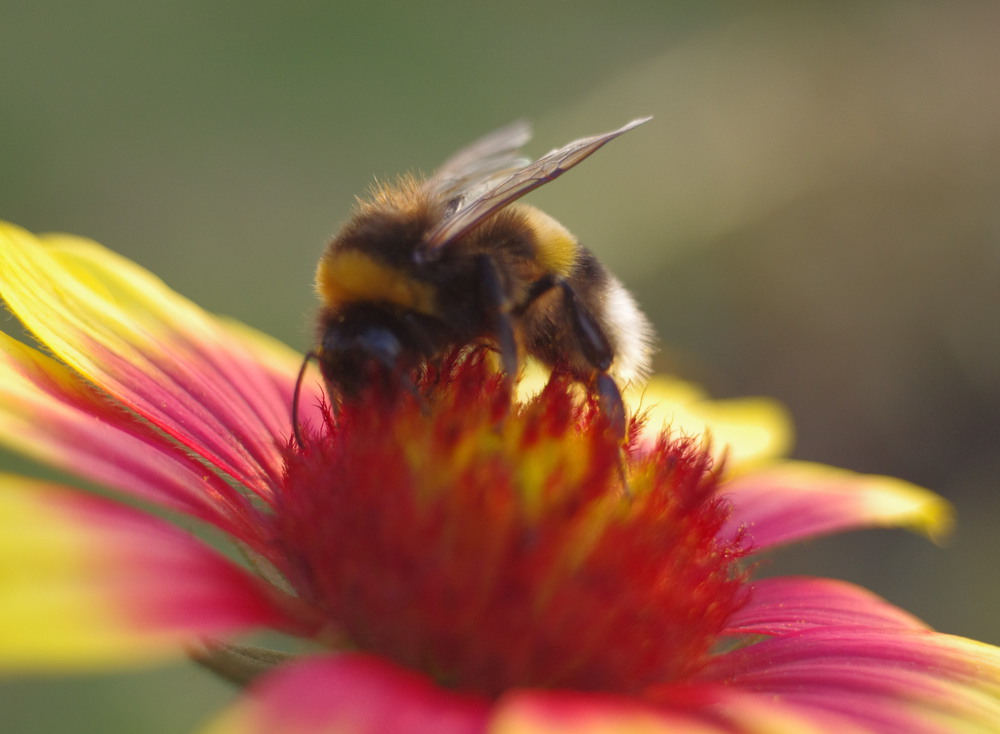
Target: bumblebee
<point x="427" y="265"/>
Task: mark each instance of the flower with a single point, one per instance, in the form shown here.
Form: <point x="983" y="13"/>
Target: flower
<point x="460" y="563"/>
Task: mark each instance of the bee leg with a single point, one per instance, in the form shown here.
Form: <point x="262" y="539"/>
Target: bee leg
<point x="611" y="403"/>
<point x="495" y="301"/>
<point x="589" y="334"/>
<point x="614" y="410"/>
<point x="597" y="349"/>
<point x="593" y="344"/>
<point x="538" y="289"/>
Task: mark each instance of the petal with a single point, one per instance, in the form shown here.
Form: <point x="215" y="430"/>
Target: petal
<point x="48" y="413"/>
<point x="356" y="694"/>
<point x="87" y="582"/>
<point x="153" y="350"/>
<point x="795" y="500"/>
<point x="913" y="681"/>
<point x="538" y="712"/>
<point x="351" y="694"/>
<point x="748" y="430"/>
<point x="280" y="363"/>
<point x="790" y="603"/>
<point x="689" y="710"/>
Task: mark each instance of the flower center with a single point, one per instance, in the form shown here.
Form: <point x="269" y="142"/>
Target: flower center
<point x="496" y="546"/>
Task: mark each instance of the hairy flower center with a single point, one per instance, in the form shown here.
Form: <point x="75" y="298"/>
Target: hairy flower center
<point x="494" y="546"/>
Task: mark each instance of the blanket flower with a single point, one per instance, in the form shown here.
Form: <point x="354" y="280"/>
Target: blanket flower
<point x="458" y="561"/>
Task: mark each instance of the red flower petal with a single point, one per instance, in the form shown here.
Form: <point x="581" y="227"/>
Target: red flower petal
<point x="796" y="500"/>
<point x="351" y="694"/>
<point x="696" y="709"/>
<point x="787" y="604"/>
<point x="913" y="681"/>
<point x="51" y="415"/>
<point x="157" y="353"/>
<point x="355" y="694"/>
<point x="546" y="712"/>
<point x="86" y="581"/>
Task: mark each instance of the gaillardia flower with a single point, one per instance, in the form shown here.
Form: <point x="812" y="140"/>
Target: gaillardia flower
<point x="457" y="561"/>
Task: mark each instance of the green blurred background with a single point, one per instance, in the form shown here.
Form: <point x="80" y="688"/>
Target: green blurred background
<point x="814" y="214"/>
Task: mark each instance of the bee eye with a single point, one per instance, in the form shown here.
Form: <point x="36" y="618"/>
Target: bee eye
<point x="373" y="342"/>
<point x="382" y="345"/>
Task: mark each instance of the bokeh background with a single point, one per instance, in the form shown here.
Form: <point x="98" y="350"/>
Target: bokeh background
<point x="813" y="214"/>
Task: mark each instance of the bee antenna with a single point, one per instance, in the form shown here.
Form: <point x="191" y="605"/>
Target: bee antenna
<point x="310" y="355"/>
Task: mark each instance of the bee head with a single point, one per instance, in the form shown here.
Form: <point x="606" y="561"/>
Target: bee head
<point x="373" y="343"/>
<point x="353" y="351"/>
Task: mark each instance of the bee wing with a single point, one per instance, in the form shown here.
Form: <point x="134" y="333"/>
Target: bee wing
<point x="550" y="166"/>
<point x="491" y="155"/>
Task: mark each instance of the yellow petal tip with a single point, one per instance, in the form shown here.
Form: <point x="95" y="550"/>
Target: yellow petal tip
<point x="748" y="430"/>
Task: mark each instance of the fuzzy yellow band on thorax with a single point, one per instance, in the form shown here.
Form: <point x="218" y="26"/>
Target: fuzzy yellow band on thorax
<point x="351" y="276"/>
<point x="557" y="249"/>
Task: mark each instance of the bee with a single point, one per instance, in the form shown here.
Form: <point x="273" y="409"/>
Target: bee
<point x="427" y="265"/>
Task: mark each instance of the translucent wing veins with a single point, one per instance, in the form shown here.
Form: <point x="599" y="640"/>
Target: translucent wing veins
<point x="494" y="153"/>
<point x="500" y="146"/>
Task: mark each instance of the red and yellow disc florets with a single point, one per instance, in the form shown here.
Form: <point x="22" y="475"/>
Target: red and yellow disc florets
<point x="496" y="546"/>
